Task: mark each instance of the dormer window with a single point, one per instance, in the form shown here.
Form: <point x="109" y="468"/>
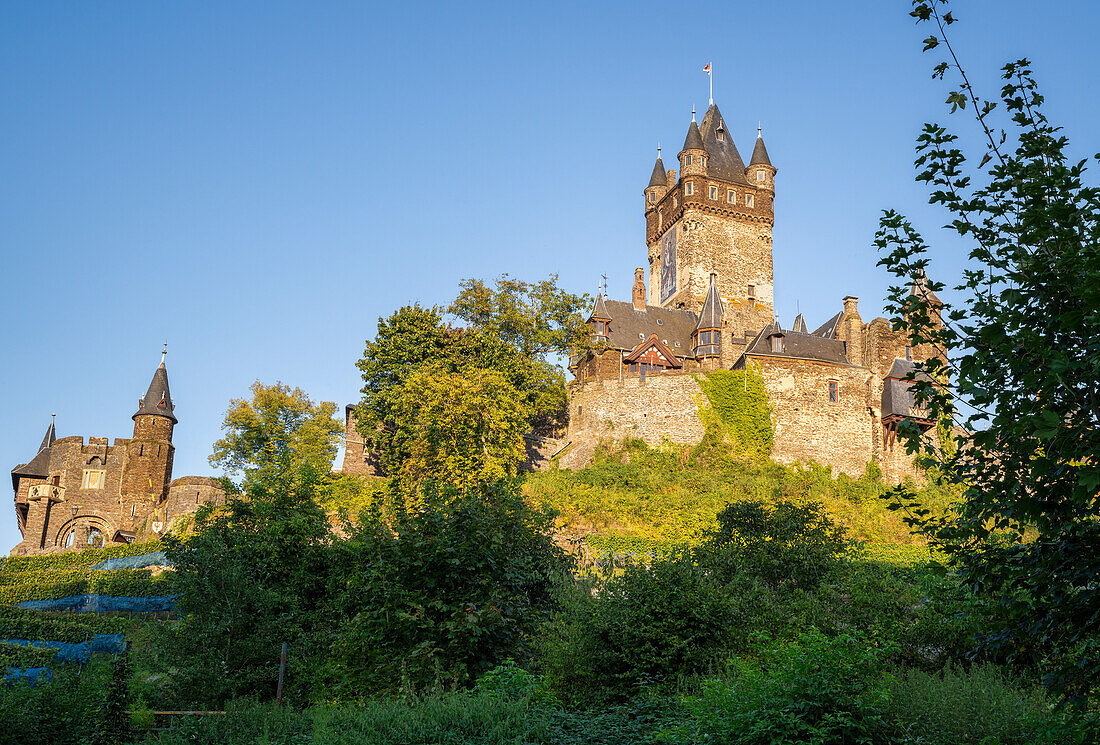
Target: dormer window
<point x="720" y="134"/>
<point x="777" y="344"/>
<point x="601" y="328"/>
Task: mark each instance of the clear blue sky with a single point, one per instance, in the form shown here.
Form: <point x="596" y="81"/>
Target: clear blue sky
<point x="258" y="182"/>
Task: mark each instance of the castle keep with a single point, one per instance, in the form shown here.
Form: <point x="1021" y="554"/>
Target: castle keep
<point x="837" y="392"/>
<point x="73" y="494"/>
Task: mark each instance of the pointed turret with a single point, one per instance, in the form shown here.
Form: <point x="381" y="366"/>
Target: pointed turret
<point x="800" y="325"/>
<point x="158" y="399"/>
<point x="658" y="177"/>
<point x="707" y="338"/>
<point x="920" y="287"/>
<point x="38" y="466"/>
<point x="693" y="158"/>
<point x="694" y="139"/>
<point x="725" y="162"/>
<point x="599" y="318"/>
<point x="658" y="184"/>
<point x="761" y="172"/>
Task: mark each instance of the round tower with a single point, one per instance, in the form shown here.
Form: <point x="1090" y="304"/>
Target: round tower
<point x="658" y="184"/>
<point x="761" y="172"/>
<point x="693" y="158"/>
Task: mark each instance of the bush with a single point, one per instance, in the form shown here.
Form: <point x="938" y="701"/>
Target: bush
<point x="509" y="679"/>
<point x="817" y="691"/>
<point x="976" y="706"/>
<point x="70" y="708"/>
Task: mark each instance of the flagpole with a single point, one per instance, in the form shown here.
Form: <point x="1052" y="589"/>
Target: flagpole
<point x="710" y="77"/>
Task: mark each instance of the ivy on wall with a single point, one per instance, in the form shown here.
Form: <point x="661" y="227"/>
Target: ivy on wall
<point x="738" y="411"/>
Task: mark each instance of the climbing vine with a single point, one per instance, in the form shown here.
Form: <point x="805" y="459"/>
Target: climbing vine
<point x="737" y="411"/>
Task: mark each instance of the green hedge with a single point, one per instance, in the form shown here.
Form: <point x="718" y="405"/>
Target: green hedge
<point x="16" y="623"/>
<point x="21" y="655"/>
<point x="77" y="559"/>
<point x="49" y="585"/>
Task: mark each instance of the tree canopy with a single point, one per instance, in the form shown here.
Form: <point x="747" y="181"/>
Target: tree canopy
<point x="277" y="433"/>
<point x="1019" y="345"/>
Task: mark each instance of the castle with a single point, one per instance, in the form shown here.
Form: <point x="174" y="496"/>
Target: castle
<point x="73" y="494"/>
<point x="837" y="393"/>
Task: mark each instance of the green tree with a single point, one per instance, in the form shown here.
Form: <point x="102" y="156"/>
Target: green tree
<point x="277" y="433"/>
<point x="535" y="318"/>
<point x="458" y="428"/>
<point x="254" y="574"/>
<point x="1020" y="347"/>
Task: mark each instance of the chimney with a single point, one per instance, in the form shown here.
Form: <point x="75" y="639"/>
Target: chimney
<point x="638" y="295"/>
<point x="852" y="331"/>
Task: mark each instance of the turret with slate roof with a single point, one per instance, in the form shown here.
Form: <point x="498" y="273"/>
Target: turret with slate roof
<point x="38" y="466"/>
<point x="599" y="318"/>
<point x="658" y="184"/>
<point x="707" y="338"/>
<point x="761" y="172"/>
<point x="693" y="156"/>
<point x="156" y="415"/>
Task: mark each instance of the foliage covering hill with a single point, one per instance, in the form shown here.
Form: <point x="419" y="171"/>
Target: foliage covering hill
<point x="635" y="498"/>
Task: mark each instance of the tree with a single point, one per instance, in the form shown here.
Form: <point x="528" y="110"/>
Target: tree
<point x="277" y="434"/>
<point x="1020" y="348"/>
<point x="535" y="318"/>
<point x="459" y="428"/>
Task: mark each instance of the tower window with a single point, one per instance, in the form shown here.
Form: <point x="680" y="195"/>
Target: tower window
<point x="704" y="161"/>
<point x="653" y="196"/>
<point x="834" y="391"/>
<point x="748" y="200"/>
<point x="93" y="479"/>
<point x="731" y="196"/>
<point x="760" y="176"/>
<point x="689" y="188"/>
<point x="687" y="160"/>
<point x="660" y="218"/>
<point x="714" y="192"/>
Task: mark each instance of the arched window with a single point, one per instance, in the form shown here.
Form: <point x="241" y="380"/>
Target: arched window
<point x="70" y="538"/>
<point x="96" y="539"/>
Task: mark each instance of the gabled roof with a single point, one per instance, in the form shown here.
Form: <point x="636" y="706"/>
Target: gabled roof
<point x="725" y="162"/>
<point x="629" y="326"/>
<point x="797" y="345"/>
<point x="800" y="324"/>
<point x="710" y="316"/>
<point x="38" y="466"/>
<point x="653" y="343"/>
<point x="658" y="177"/>
<point x="693" y="141"/>
<point x="158" y="399"/>
<point x="828" y="329"/>
<point x="760" y="153"/>
<point x="599" y="309"/>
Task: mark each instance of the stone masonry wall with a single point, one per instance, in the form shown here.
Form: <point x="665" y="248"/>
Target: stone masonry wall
<point x="810" y="427"/>
<point x="664" y="406"/>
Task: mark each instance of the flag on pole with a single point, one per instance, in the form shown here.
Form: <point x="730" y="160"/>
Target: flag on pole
<point x="707" y="69"/>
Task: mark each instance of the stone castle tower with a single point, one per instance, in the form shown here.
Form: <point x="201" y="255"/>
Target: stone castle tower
<point x="74" y="494"/>
<point x="716" y="217"/>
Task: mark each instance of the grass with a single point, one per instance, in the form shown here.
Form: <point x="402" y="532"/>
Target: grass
<point x="636" y="498"/>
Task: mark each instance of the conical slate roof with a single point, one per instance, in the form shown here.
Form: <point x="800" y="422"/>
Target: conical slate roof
<point x="158" y="399"/>
<point x="710" y="316"/>
<point x="694" y="140"/>
<point x="599" y="310"/>
<point x="39" y="465"/>
<point x="658" y="177"/>
<point x="799" y="324"/>
<point x="760" y="153"/>
<point x="725" y="162"/>
<point x="920" y="286"/>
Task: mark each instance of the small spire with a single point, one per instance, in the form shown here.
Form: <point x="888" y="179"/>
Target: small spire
<point x="693" y="112"/>
<point x="164" y="352"/>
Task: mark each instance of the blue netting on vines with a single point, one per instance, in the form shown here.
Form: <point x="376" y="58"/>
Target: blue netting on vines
<point x="33" y="675"/>
<point x="81" y="652"/>
<point x="99" y="603"/>
<point x="152" y="559"/>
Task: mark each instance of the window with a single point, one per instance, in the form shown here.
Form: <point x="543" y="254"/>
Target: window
<point x="777" y="344"/>
<point x="660" y="218"/>
<point x="653" y="196"/>
<point x="96" y="538"/>
<point x="834" y="392"/>
<point x="633" y="367"/>
<point x="760" y="176"/>
<point x="731" y="196"/>
<point x="93" y="480"/>
<point x="675" y="202"/>
<point x="714" y="192"/>
<point x="752" y="296"/>
<point x="748" y="200"/>
<point x="707" y="338"/>
<point x="601" y="328"/>
<point x="689" y="188"/>
<point x="704" y="161"/>
<point x="70" y="538"/>
<point x="687" y="160"/>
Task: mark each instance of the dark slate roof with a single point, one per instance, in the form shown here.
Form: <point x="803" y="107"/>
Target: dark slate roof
<point x="828" y="329"/>
<point x="658" y="177"/>
<point x="760" y="153"/>
<point x="897" y="394"/>
<point x="901" y="368"/>
<point x="38" y="466"/>
<point x="797" y="345"/>
<point x="710" y="315"/>
<point x="630" y="327"/>
<point x="693" y="141"/>
<point x="800" y="324"/>
<point x="158" y="399"/>
<point x="725" y="162"/>
<point x="599" y="309"/>
<point x="921" y="284"/>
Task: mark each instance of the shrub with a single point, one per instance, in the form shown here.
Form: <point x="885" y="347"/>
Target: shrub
<point x="816" y="691"/>
<point x="69" y="708"/>
<point x="508" y="679"/>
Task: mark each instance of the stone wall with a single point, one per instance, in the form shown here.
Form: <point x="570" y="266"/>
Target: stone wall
<point x="810" y="427"/>
<point x="664" y="406"/>
<point x="357" y="460"/>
